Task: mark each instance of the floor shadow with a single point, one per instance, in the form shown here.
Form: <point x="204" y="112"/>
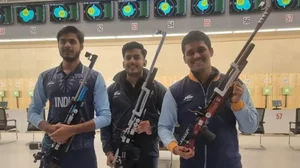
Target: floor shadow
<point x="7" y="142"/>
<point x="254" y="148"/>
<point x="293" y="148"/>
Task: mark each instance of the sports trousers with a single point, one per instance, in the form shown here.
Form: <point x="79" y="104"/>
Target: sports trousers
<point x="84" y="158"/>
<point x="146" y="162"/>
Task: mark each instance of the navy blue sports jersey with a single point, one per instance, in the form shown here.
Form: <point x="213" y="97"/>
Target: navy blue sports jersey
<point x="59" y="88"/>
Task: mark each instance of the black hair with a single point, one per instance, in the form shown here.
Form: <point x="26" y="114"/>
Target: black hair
<point x="134" y="45"/>
<point x="193" y="36"/>
<point x="71" y="29"/>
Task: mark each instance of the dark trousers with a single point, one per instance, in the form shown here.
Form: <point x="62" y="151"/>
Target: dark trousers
<point x="84" y="158"/>
<point x="146" y="162"/>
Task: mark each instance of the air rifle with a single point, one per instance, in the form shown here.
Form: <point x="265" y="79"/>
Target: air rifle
<point x="139" y="110"/>
<point x="221" y="93"/>
<point x="52" y="155"/>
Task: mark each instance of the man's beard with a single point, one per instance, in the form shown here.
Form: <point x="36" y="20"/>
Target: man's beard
<point x="71" y="59"/>
<point x="134" y="74"/>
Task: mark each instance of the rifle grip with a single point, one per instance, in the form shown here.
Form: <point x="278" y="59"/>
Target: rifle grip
<point x="207" y="133"/>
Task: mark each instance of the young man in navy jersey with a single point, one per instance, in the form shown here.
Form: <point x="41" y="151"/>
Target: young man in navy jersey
<point x="193" y="92"/>
<point x="59" y="85"/>
<point x="123" y="95"/>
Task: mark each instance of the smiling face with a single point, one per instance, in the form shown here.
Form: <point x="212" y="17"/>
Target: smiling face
<point x="197" y="56"/>
<point x="134" y="62"/>
<point x="69" y="47"/>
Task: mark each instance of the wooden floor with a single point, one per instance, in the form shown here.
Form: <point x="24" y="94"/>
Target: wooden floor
<point x="16" y="154"/>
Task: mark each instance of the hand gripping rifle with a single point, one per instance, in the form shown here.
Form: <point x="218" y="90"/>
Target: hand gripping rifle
<point x="139" y="110"/>
<point x="221" y="93"/>
<point x="75" y="107"/>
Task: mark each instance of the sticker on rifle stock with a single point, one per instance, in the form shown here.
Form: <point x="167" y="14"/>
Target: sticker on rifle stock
<point x="208" y="115"/>
<point x="200" y="122"/>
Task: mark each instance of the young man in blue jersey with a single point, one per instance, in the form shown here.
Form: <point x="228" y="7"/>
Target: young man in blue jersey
<point x="193" y="92"/>
<point x="59" y="85"/>
<point x="123" y="95"/>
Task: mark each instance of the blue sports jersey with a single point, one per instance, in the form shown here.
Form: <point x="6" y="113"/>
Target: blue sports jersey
<point x="59" y="88"/>
<point x="188" y="95"/>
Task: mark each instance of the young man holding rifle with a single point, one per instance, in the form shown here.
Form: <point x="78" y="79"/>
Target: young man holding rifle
<point x="123" y="96"/>
<point x="191" y="94"/>
<point x="59" y="85"/>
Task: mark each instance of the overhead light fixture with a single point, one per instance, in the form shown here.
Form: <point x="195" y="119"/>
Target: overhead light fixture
<point x="218" y="32"/>
<point x="134" y="36"/>
<point x="27" y="40"/>
<point x="288" y="29"/>
<point x="100" y="37"/>
<point x="250" y="31"/>
<point x="176" y="34"/>
<point x="243" y="31"/>
<point x="171" y="35"/>
<point x="50" y="39"/>
<point x="266" y="30"/>
<point x="148" y="36"/>
<point x="5" y="40"/>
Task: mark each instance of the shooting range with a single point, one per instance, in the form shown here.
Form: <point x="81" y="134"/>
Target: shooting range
<point x="272" y="75"/>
